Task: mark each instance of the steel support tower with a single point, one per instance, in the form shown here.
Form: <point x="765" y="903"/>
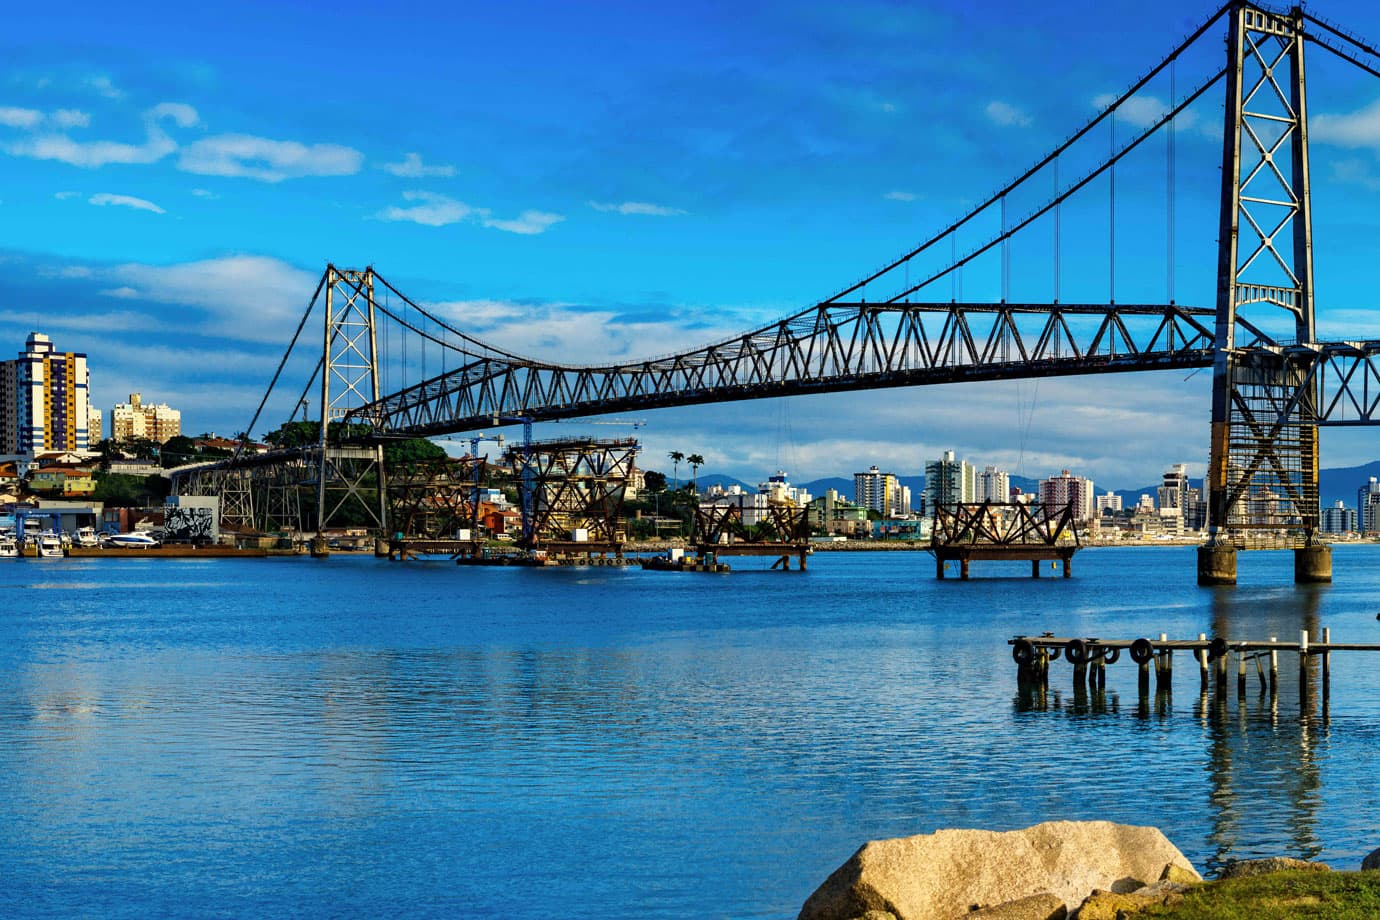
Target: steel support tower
<point x="349" y="379"/>
<point x="1263" y="464"/>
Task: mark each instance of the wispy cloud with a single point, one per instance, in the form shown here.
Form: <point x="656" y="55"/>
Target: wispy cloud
<point x="1007" y="115"/>
<point x="205" y="193"/>
<point x="1144" y="111"/>
<point x="103" y="86"/>
<point x="247" y="156"/>
<point x="92" y="154"/>
<point x="70" y="118"/>
<point x="527" y="223"/>
<point x="66" y="196"/>
<point x="412" y="167"/>
<point x="1352" y="129"/>
<point x="12" y="117"/>
<point x="898" y="195"/>
<point x="432" y="209"/>
<point x="636" y="207"/>
<point x="125" y="201"/>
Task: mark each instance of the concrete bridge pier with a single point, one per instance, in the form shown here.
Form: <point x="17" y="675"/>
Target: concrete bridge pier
<point x="1217" y="565"/>
<point x="1312" y="565"/>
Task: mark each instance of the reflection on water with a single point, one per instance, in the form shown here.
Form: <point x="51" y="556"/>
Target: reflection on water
<point x="356" y="738"/>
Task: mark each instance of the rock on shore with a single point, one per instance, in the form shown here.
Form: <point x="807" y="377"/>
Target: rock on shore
<point x="950" y="873"/>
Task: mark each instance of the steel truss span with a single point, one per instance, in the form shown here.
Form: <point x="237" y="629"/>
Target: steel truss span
<point x="828" y="348"/>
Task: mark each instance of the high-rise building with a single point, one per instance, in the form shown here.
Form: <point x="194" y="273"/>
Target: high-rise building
<point x="135" y="420"/>
<point x="44" y="392"/>
<point x="992" y="485"/>
<point x="880" y="492"/>
<point x="93" y="426"/>
<point x="1368" y="507"/>
<point x="1338" y="519"/>
<point x="1173" y="491"/>
<point x="948" y="482"/>
<point x="1067" y="491"/>
<point x="1109" y="502"/>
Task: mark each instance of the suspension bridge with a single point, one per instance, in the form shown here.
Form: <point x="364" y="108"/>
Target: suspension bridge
<point x="391" y="368"/>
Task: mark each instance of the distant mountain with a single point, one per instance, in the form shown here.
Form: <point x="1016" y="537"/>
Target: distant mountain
<point x="706" y="480"/>
<point x="1340" y="484"/>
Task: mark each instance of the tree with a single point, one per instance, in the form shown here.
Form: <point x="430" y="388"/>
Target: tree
<point x="696" y="461"/>
<point x="177" y="451"/>
<point x="413" y="450"/>
<point x="676" y="457"/>
<point x="654" y="481"/>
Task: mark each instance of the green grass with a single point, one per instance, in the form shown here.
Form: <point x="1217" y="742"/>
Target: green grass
<point x="1281" y="896"/>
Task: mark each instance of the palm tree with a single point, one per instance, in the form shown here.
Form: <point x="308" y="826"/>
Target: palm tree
<point x="696" y="461"/>
<point x="676" y="457"/>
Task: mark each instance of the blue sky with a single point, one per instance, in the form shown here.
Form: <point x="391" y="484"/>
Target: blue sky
<point x="580" y="181"/>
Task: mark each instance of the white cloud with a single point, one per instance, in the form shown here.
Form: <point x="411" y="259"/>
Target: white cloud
<point x="103" y="86"/>
<point x="432" y="210"/>
<point x="245" y="297"/>
<point x="898" y="195"/>
<point x="1007" y="115"/>
<point x="268" y="160"/>
<point x="205" y="193"/>
<point x="1145" y="111"/>
<point x="1353" y="129"/>
<point x="637" y="207"/>
<point x="527" y="223"/>
<point x="91" y="154"/>
<point x="122" y="293"/>
<point x="1356" y="172"/>
<point x="12" y="117"/>
<point x="125" y="201"/>
<point x="412" y="167"/>
<point x="435" y="210"/>
<point x="65" y="196"/>
<point x="70" y="118"/>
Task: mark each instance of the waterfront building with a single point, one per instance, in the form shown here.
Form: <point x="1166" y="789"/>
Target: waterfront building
<point x="1173" y="491"/>
<point x="1067" y="491"/>
<point x="755" y="507"/>
<point x="44" y="397"/>
<point x="834" y="514"/>
<point x="1338" y="519"/>
<point x="1109" y="502"/>
<point x="777" y="488"/>
<point x="949" y="481"/>
<point x="1368" y="507"/>
<point x="134" y="419"/>
<point x="1144" y="505"/>
<point x="880" y="492"/>
<point x="992" y="485"/>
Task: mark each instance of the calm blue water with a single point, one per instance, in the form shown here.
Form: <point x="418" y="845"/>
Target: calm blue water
<point x="355" y="737"/>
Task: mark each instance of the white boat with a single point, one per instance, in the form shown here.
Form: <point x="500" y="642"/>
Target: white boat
<point x="49" y="545"/>
<point x="133" y="540"/>
<point x="9" y="546"/>
<point x="86" y="536"/>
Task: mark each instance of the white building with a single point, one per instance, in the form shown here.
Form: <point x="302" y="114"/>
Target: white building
<point x="756" y="506"/>
<point x="1368" y="507"/>
<point x="1145" y="504"/>
<point x="992" y="485"/>
<point x="1109" y="502"/>
<point x="1173" y="493"/>
<point x="948" y="482"/>
<point x="1338" y="519"/>
<point x="93" y="426"/>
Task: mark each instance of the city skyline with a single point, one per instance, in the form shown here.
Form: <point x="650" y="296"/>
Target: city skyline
<point x="621" y="187"/>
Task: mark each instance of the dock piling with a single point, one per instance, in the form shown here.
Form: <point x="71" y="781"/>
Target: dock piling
<point x="1303" y="670"/>
<point x="1274" y="668"/>
<point x="1327" y="664"/>
<point x="1241" y="674"/>
<point x="1202" y="656"/>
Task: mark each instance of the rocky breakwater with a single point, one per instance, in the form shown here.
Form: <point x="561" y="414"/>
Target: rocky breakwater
<point x="1050" y="871"/>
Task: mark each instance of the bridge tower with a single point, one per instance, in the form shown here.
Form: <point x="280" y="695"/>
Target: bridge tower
<point x="349" y="476"/>
<point x="1263" y="465"/>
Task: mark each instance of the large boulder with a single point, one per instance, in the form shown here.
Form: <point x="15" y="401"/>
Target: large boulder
<point x="1372" y="860"/>
<point x="946" y="874"/>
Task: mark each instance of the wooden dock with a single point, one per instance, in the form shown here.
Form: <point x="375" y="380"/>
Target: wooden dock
<point x="1090" y="657"/>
